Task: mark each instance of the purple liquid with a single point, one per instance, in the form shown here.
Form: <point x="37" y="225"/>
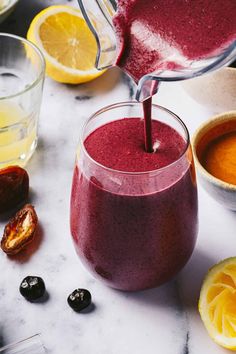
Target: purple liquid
<point x="131" y="235"/>
<point x="147" y="114"/>
<point x="159" y="34"/>
<point x="156" y="35"/>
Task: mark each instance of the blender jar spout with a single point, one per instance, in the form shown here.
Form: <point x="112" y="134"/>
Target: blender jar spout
<point x="98" y="15"/>
<point x="147" y="87"/>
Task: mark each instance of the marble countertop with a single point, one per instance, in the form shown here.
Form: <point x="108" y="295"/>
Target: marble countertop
<point x="163" y="320"/>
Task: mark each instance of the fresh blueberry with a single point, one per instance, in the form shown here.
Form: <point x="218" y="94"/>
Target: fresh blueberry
<point x="32" y="288"/>
<point x="79" y="299"/>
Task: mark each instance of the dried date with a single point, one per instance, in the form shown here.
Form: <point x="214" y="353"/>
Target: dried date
<point x="14" y="187"/>
<point x="20" y="230"/>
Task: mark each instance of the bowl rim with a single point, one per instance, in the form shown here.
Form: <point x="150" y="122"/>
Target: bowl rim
<point x="8" y="7"/>
<point x="203" y="129"/>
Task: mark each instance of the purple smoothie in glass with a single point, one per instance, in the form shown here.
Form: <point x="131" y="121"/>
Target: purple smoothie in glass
<point x="133" y="213"/>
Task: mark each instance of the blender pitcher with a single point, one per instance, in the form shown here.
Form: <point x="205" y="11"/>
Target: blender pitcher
<point x="98" y="15"/>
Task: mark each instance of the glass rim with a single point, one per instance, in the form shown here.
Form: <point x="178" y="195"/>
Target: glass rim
<point x="41" y="74"/>
<point x="133" y="103"/>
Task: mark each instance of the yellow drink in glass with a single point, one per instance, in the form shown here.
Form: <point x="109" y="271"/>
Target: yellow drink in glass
<point x="22" y="70"/>
<point x="18" y="134"/>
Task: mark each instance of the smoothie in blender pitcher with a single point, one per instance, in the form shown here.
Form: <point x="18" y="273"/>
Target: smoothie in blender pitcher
<point x="156" y="35"/>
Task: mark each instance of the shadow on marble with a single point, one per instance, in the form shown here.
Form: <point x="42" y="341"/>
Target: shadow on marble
<point x="47" y="155"/>
<point x="28" y="252"/>
<point x="89" y="309"/>
<point x="191" y="278"/>
<point x="2" y="342"/>
<point x="164" y="296"/>
<point x="32" y="195"/>
<point x="42" y="300"/>
<point x="101" y="85"/>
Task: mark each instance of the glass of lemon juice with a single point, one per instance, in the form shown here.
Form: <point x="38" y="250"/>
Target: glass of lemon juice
<point x="22" y="71"/>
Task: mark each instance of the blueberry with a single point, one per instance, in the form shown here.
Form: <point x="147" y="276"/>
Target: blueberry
<point x="79" y="299"/>
<point x="32" y="288"/>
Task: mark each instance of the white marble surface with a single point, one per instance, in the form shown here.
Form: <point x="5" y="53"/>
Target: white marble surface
<point x="163" y="320"/>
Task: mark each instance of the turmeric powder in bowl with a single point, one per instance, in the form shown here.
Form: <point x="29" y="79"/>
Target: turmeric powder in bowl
<point x="219" y="157"/>
<point x="214" y="149"/>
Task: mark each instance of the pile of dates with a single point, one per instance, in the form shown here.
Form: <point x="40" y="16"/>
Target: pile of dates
<point x="14" y="191"/>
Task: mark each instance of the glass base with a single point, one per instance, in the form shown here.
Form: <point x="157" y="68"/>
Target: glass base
<point x="32" y="345"/>
<point x="21" y="159"/>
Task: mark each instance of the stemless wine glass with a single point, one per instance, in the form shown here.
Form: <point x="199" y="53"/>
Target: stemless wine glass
<point x="134" y="230"/>
<point x="22" y="70"/>
<point x="31" y="345"/>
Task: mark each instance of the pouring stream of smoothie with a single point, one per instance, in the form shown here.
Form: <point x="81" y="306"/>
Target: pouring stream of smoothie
<point x="147" y="113"/>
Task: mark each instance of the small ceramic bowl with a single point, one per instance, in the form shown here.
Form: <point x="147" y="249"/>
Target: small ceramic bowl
<point x="7" y="10"/>
<point x="223" y="192"/>
<point x="215" y="91"/>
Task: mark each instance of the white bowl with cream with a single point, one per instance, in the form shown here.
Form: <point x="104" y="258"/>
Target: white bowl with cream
<point x="216" y="91"/>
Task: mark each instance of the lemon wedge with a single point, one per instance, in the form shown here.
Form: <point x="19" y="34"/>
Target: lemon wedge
<point x="217" y="303"/>
<point x="67" y="43"/>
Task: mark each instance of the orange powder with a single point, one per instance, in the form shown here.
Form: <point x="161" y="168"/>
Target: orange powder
<point x="219" y="158"/>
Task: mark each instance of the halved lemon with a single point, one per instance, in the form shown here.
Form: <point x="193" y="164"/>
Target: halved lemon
<point x="67" y="43"/>
<point x="217" y="303"/>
